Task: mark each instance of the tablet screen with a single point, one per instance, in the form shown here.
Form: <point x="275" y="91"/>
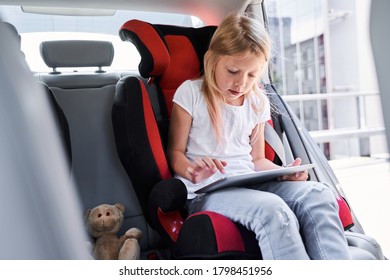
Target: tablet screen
<point x="248" y="179"/>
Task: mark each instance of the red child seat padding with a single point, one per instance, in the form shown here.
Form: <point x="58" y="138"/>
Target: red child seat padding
<point x="150" y="44"/>
<point x="154" y="135"/>
<point x="184" y="65"/>
<point x="345" y="213"/>
<point x="268" y="151"/>
<point x="212" y="235"/>
<point x="137" y="138"/>
<point x="170" y="54"/>
<point x="205" y="234"/>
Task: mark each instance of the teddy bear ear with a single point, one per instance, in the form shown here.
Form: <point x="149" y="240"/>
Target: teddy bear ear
<point x="120" y="206"/>
<point x="86" y="214"/>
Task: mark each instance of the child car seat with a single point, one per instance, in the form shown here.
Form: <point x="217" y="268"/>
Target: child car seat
<point x="169" y="56"/>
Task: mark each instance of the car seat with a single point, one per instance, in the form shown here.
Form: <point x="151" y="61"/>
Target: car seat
<point x="33" y="174"/>
<point x="86" y="97"/>
<point x="60" y="120"/>
<point x="61" y="123"/>
<point x="169" y="56"/>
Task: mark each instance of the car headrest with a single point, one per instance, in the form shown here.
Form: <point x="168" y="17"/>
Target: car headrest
<point x="77" y="53"/>
<point x="13" y="29"/>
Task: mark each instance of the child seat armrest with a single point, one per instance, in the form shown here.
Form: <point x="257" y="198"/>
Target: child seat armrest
<point x="166" y="201"/>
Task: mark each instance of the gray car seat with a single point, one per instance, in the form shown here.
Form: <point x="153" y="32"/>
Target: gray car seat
<point x="34" y="177"/>
<point x="86" y="97"/>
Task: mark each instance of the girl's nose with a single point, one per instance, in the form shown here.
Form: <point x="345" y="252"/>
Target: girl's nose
<point x="240" y="82"/>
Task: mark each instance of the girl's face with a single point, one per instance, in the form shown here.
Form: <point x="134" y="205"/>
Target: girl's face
<point x="236" y="75"/>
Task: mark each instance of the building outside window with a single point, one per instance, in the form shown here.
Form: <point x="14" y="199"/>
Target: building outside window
<point x="323" y="67"/>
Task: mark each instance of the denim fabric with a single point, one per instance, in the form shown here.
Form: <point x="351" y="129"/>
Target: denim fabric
<point x="291" y="220"/>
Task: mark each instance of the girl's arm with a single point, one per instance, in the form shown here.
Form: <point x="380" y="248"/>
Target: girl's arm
<point x="262" y="163"/>
<point x="179" y="129"/>
<point x="258" y="150"/>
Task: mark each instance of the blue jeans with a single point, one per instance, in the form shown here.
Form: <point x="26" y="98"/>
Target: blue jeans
<point x="291" y="220"/>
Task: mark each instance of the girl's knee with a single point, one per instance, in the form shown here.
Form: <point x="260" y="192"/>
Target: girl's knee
<point x="276" y="206"/>
<point x="272" y="201"/>
<point x="320" y="192"/>
<point x="323" y="189"/>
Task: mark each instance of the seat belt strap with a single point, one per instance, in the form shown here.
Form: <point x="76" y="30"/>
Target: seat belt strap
<point x="287" y="149"/>
<point x="273" y="139"/>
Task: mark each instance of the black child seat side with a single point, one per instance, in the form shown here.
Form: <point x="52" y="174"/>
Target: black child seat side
<point x="86" y="98"/>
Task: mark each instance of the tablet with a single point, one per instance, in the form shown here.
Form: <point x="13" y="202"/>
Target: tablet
<point x="248" y="179"/>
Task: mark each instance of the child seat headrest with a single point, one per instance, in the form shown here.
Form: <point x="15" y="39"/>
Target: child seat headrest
<point x="150" y="44"/>
<point x="159" y="44"/>
<point x="170" y="54"/>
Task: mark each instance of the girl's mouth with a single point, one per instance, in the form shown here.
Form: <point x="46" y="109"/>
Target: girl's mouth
<point x="234" y="92"/>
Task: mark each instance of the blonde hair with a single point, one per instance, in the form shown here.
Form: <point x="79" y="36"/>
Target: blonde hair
<point x="237" y="34"/>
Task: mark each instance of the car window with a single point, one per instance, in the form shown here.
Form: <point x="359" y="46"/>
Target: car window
<point x="323" y="67"/>
<point x="35" y="28"/>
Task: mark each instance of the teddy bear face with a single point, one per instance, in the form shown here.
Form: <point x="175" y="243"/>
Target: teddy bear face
<point x="104" y="219"/>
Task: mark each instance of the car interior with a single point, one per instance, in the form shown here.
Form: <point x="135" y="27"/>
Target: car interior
<point x="76" y="139"/>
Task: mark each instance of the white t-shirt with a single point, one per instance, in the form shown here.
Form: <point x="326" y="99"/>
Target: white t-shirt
<point x="238" y="123"/>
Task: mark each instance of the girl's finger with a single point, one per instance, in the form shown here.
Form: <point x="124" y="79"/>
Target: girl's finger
<point x="199" y="162"/>
<point x="191" y="171"/>
<point x="220" y="165"/>
<point x="210" y="163"/>
<point x="296" y="162"/>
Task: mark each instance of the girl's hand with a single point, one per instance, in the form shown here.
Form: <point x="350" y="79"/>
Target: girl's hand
<point x="203" y="168"/>
<point x="299" y="176"/>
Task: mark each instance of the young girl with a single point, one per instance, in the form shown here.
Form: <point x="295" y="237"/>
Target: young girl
<point x="217" y="129"/>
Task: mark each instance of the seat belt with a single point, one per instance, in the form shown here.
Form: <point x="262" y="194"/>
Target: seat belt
<point x="280" y="147"/>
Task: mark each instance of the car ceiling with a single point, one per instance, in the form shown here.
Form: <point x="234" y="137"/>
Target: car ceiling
<point x="210" y="11"/>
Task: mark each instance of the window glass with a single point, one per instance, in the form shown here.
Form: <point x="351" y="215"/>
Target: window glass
<point x="323" y="67"/>
<point x="35" y="28"/>
<point x="297" y="31"/>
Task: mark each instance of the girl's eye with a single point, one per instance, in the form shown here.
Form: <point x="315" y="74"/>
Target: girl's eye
<point x="232" y="71"/>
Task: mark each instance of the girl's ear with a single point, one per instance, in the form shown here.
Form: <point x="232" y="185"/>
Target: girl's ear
<point x="206" y="58"/>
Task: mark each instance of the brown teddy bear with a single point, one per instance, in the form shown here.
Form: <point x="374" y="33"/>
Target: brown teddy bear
<point x="103" y="222"/>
